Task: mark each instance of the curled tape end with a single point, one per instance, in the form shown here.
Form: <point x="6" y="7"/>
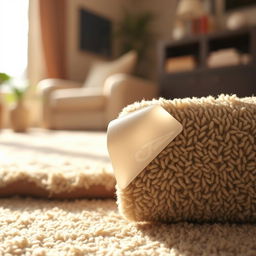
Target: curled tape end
<point x="136" y="139"/>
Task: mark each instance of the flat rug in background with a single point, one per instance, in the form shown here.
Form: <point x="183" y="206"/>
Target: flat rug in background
<point x="55" y="164"/>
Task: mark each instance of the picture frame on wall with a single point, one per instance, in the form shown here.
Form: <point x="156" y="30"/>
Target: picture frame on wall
<point x="95" y="33"/>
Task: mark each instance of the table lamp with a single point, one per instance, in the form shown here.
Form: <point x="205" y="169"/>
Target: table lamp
<point x="189" y="9"/>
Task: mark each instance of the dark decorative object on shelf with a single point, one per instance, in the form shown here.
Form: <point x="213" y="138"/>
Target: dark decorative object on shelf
<point x="209" y="77"/>
<point x="95" y="33"/>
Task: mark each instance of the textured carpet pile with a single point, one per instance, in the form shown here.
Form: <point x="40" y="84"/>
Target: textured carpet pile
<point x="30" y="226"/>
<point x="94" y="227"/>
<point x="207" y="173"/>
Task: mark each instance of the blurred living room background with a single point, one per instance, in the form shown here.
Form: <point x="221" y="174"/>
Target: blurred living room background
<point x="74" y="64"/>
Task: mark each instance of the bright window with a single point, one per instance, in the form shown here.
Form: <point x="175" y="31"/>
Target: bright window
<point x="14" y="37"/>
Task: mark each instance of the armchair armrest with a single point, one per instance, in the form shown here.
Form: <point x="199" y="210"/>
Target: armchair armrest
<point x="46" y="88"/>
<point x="123" y="90"/>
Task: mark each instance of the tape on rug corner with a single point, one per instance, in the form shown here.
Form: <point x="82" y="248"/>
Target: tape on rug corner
<point x="136" y="139"/>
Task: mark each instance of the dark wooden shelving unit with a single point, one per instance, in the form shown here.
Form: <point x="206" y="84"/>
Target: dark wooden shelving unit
<point x="203" y="80"/>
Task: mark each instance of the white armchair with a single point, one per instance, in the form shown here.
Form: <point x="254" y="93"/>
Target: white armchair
<point x="68" y="105"/>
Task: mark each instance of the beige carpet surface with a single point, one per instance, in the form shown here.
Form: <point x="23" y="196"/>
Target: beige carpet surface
<point x="63" y="161"/>
<point x="94" y="227"/>
<point x="55" y="162"/>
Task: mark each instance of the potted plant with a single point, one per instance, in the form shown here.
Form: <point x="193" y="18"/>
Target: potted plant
<point x="19" y="113"/>
<point x="134" y="33"/>
<point x="3" y="79"/>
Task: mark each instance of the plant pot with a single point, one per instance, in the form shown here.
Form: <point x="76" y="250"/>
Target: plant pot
<point x="1" y="115"/>
<point x="19" y="117"/>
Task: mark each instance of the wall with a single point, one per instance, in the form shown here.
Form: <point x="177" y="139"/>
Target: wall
<point x="164" y="16"/>
<point x="79" y="62"/>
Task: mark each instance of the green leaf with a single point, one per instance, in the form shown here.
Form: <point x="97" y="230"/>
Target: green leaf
<point x="4" y="78"/>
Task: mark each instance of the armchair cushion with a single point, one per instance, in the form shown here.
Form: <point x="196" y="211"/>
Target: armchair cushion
<point x="101" y="71"/>
<point x="78" y="99"/>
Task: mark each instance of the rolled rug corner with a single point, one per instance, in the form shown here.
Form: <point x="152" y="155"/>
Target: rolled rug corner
<point x="202" y="170"/>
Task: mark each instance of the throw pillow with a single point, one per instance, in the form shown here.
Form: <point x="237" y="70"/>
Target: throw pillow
<point x="101" y="71"/>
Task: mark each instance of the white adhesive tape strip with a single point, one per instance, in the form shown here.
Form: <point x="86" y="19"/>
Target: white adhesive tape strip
<point x="137" y="138"/>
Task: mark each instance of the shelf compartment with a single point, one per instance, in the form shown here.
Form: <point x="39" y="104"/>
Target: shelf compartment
<point x="183" y="50"/>
<point x="240" y="42"/>
<point x="180" y="58"/>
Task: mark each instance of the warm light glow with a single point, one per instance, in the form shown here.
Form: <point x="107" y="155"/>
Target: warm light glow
<point x="188" y="9"/>
<point x="14" y="37"/>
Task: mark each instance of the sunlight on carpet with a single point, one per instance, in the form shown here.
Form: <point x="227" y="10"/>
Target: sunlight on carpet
<point x="56" y="161"/>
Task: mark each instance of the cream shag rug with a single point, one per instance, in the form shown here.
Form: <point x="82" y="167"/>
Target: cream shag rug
<point x="60" y="161"/>
<point x="55" y="164"/>
<point x="94" y="227"/>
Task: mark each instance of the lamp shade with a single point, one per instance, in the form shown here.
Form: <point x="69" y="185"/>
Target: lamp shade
<point x="188" y="9"/>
